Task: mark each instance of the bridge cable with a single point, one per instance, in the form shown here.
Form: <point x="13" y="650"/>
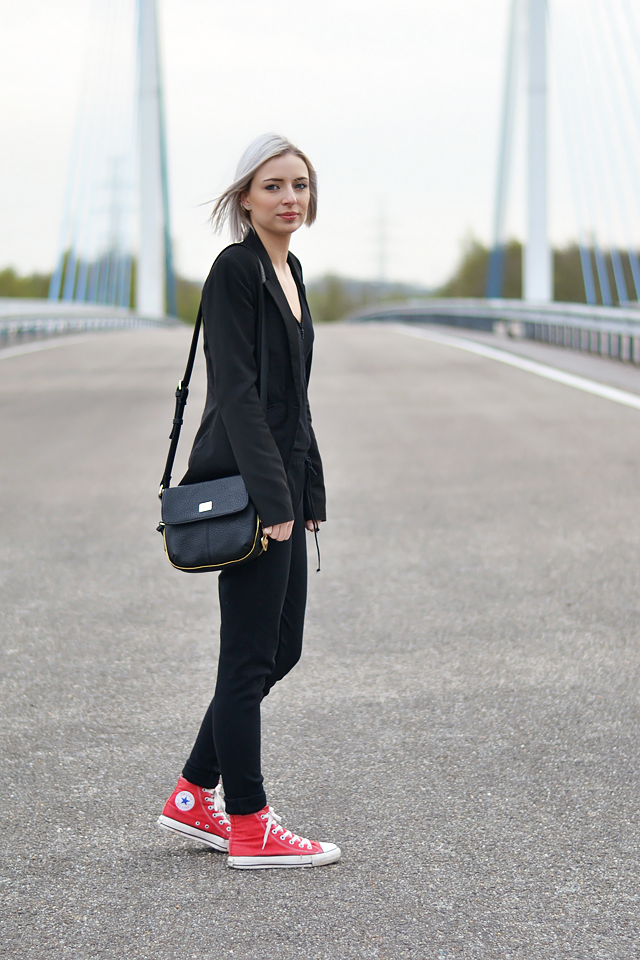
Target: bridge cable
<point x="609" y="144"/>
<point x="583" y="103"/>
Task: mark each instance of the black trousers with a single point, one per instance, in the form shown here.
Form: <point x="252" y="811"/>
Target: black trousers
<point x="262" y="606"/>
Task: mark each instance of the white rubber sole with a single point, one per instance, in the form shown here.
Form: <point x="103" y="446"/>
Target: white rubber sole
<point x="330" y="853"/>
<point x="217" y="843"/>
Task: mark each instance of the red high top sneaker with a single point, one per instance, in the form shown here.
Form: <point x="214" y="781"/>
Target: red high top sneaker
<point x="258" y="841"/>
<point x="197" y="813"/>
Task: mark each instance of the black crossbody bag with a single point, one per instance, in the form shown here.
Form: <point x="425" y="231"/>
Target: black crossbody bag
<point x="211" y="525"/>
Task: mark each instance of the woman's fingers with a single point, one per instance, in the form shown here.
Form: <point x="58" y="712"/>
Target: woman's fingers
<point x="283" y="530"/>
<point x="279" y="531"/>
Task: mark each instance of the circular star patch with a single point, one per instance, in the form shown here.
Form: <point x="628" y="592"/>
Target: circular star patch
<point x="184" y="800"/>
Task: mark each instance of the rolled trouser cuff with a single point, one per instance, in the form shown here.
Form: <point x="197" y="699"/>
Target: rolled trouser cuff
<point x="201" y="778"/>
<point x="246" y="805"/>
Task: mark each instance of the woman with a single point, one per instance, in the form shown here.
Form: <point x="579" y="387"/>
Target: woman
<point x="262" y="602"/>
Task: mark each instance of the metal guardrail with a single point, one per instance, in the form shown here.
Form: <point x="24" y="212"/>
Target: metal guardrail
<point x="41" y="317"/>
<point x="607" y="331"/>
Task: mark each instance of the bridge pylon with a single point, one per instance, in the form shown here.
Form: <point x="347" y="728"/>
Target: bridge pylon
<point x="155" y="268"/>
<point x="537" y="266"/>
<point x="537" y="272"/>
<point x="115" y="224"/>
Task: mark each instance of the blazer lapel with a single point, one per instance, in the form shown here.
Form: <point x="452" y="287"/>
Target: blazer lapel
<point x="276" y="292"/>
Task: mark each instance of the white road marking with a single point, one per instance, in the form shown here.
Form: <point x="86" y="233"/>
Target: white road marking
<point x="37" y="345"/>
<point x="531" y="366"/>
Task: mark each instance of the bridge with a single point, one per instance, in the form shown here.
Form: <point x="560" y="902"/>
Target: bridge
<point x="464" y="721"/>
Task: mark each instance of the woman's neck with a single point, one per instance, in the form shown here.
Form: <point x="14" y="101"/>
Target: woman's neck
<point x="276" y="245"/>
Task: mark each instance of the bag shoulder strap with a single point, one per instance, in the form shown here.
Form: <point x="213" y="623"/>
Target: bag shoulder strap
<point x="182" y="390"/>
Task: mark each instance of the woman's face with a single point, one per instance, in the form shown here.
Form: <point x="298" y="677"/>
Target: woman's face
<point x="279" y="195"/>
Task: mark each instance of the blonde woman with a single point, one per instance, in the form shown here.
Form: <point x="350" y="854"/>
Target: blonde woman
<point x="262" y="603"/>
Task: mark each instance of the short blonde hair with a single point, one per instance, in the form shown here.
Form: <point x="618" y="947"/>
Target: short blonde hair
<point x="228" y="206"/>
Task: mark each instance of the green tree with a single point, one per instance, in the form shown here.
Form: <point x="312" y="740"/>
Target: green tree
<point x="469" y="278"/>
<point x="34" y="285"/>
<point x="329" y="299"/>
<point x="567" y="275"/>
<point x="187" y="298"/>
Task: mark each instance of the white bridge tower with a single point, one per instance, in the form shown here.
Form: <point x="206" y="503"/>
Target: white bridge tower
<point x="154" y="281"/>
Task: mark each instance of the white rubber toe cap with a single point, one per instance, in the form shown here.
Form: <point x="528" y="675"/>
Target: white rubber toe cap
<point x="330" y="853"/>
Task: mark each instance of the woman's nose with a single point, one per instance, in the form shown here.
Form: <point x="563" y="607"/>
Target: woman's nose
<point x="289" y="196"/>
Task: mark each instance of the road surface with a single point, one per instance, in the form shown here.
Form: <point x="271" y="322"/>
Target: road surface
<point x="464" y="722"/>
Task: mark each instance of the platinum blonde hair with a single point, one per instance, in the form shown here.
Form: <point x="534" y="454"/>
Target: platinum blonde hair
<point x="228" y="206"/>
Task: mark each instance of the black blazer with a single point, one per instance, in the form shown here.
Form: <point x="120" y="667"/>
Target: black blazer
<point x="234" y="436"/>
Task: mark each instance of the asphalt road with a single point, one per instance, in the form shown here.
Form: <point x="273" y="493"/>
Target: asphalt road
<point x="464" y="722"/>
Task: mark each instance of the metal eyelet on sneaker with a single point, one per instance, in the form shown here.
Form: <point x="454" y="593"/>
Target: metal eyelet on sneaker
<point x="292" y="841"/>
<point x="197" y="823"/>
<point x="206" y="826"/>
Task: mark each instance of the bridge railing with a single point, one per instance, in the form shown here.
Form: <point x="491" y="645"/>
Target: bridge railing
<point x="20" y="317"/>
<point x="607" y="331"/>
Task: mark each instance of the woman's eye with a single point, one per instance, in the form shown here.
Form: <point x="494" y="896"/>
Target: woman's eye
<point x="301" y="186"/>
<point x="271" y="186"/>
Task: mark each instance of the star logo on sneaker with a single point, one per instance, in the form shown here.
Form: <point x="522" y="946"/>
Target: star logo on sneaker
<point x="184" y="800"/>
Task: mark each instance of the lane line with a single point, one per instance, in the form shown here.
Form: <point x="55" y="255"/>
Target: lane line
<point x="531" y="366"/>
<point x="37" y="345"/>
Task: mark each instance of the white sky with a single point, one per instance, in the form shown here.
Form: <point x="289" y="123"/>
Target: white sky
<point x="397" y="104"/>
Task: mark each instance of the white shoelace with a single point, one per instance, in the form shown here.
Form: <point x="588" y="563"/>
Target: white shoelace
<point x="218" y="800"/>
<point x="219" y="808"/>
<point x="273" y="820"/>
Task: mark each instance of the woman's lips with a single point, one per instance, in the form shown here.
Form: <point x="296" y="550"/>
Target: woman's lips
<point x="289" y="216"/>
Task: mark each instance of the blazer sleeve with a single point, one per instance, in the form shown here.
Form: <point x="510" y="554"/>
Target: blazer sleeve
<point x="317" y="481"/>
<point x="229" y="309"/>
<point x="317" y="475"/>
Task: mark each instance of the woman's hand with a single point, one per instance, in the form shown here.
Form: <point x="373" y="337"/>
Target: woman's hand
<point x="282" y="531"/>
<point x="279" y="531"/>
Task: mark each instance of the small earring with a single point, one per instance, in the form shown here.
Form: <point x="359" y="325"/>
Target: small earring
<point x="247" y="208"/>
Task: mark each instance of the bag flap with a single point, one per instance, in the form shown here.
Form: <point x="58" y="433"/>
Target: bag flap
<point x="202" y="501"/>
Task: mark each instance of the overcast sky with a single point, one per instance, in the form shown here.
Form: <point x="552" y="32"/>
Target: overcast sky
<point x="397" y="104"/>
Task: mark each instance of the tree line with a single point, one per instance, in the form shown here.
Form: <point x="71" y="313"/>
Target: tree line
<point x="330" y="297"/>
<point x="333" y="297"/>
